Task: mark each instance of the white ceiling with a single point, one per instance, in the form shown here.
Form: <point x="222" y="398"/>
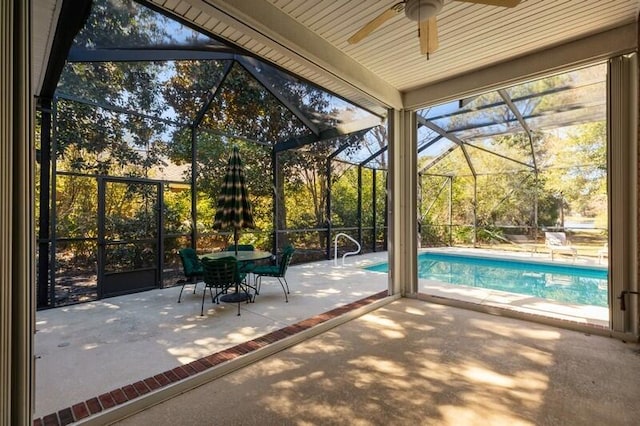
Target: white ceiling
<point x="471" y="35"/>
<point x="44" y="17"/>
<point x="386" y="69"/>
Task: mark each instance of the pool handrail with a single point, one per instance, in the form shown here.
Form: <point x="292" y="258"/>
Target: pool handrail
<point x="335" y="248"/>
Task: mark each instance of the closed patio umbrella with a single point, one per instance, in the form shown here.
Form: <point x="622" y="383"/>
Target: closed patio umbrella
<point x="233" y="209"/>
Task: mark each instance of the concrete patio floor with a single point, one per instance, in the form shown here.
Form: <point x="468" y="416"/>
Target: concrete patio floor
<point x="88" y="349"/>
<point x="412" y="362"/>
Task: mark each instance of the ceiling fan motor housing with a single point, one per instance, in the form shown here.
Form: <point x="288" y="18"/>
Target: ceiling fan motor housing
<point x="419" y="10"/>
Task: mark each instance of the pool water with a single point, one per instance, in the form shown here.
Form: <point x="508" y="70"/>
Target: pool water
<point x="575" y="284"/>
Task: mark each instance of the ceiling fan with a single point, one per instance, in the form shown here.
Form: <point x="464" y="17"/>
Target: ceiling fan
<point x="424" y="13"/>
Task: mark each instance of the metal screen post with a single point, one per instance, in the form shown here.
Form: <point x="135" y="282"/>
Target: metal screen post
<point x="475" y="211"/>
<point x="450" y="211"/>
<point x="45" y="212"/>
<point x="274" y="177"/>
<point x="194" y="199"/>
<point x="329" y="207"/>
<point x="359" y="216"/>
<point x="374" y="203"/>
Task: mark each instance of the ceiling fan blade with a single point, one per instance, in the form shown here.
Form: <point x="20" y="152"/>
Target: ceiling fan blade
<point x="503" y="3"/>
<point x="376" y="22"/>
<point x="428" y="35"/>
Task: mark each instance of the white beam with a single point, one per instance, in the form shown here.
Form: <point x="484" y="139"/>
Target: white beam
<point x="587" y="50"/>
<point x="45" y="15"/>
<point x="270" y="26"/>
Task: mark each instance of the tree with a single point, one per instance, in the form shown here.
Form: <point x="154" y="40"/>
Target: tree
<point x="219" y="102"/>
<point x="571" y="161"/>
<point x="578" y="168"/>
<point x="244" y="108"/>
<point x="100" y="140"/>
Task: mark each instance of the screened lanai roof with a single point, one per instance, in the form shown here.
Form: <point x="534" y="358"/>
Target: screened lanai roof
<point x="207" y="72"/>
<point x="186" y="78"/>
<point x="469" y="129"/>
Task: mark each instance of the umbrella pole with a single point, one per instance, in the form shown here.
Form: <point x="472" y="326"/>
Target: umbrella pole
<point x="235" y="239"/>
<point x="235" y="242"/>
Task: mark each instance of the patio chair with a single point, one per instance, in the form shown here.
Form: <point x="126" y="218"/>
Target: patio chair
<point x="603" y="252"/>
<point x="276" y="271"/>
<point x="222" y="274"/>
<point x="191" y="268"/>
<point x="523" y="242"/>
<point x="558" y="242"/>
<point x="245" y="267"/>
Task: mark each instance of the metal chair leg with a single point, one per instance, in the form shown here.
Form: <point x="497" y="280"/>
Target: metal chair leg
<point x="202" y="306"/>
<point x="183" y="282"/>
<point x="258" y="283"/>
<point x="286" y="299"/>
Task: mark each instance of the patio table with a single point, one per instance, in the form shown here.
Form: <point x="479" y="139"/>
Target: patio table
<point x="241" y="256"/>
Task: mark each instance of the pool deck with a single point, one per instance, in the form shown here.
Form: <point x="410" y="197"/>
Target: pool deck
<point x="529" y="305"/>
<point x="91" y="354"/>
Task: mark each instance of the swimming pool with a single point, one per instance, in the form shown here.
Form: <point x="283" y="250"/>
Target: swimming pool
<point x="576" y="284"/>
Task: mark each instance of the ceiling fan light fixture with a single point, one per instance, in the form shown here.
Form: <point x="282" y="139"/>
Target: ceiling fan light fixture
<point x="419" y="10"/>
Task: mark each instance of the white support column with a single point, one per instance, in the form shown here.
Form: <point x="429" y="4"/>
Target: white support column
<point x="6" y="11"/>
<point x="16" y="220"/>
<point x="623" y="191"/>
<point x="403" y="176"/>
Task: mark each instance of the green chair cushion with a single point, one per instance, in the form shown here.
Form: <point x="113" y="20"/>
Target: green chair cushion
<point x="266" y="270"/>
<point x="190" y="263"/>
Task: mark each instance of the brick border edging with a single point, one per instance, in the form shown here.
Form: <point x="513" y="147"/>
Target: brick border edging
<point x="107" y="400"/>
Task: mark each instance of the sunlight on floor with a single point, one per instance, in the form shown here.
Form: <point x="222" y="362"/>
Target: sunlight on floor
<point x="451" y="367"/>
<point x="506" y="331"/>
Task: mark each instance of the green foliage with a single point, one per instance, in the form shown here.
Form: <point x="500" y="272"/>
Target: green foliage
<point x="578" y="171"/>
<point x="300" y="207"/>
<point x="463" y="235"/>
<point x="177" y="209"/>
<point x="104" y="140"/>
<point x="344" y="199"/>
<point x="433" y="234"/>
<point x="571" y="161"/>
<point x="243" y="107"/>
<point x="573" y="175"/>
<point x="131" y="211"/>
<point x="76" y="207"/>
<point x="96" y="143"/>
<point x="98" y="140"/>
<point x="548" y="211"/>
